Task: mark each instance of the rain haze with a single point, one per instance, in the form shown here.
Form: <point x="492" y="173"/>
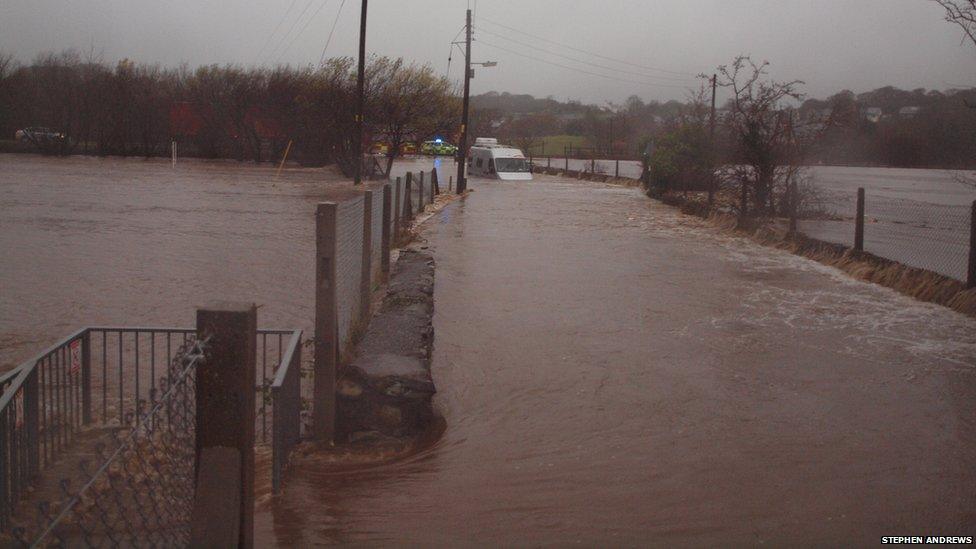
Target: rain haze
<point x="500" y="273"/>
<point x="830" y="44"/>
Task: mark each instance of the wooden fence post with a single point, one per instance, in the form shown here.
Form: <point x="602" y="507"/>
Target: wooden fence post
<point x="387" y="222"/>
<point x="450" y="183"/>
<point x="859" y="221"/>
<point x="616" y="169"/>
<point x="435" y="187"/>
<point x="971" y="279"/>
<point x="326" y="319"/>
<point x="366" y="279"/>
<point x="225" y="384"/>
<point x="566" y="167"/>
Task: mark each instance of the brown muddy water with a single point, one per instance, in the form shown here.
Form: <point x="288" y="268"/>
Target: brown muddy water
<point x="613" y="373"/>
<point x="113" y="241"/>
<point x="610" y="372"/>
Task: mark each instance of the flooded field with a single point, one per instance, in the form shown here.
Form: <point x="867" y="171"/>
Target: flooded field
<point x="610" y="372"/>
<point x="112" y="241"/>
<point x="613" y="373"/>
<point x="913" y="216"/>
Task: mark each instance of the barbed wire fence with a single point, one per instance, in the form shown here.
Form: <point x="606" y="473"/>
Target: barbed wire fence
<point x="141" y="492"/>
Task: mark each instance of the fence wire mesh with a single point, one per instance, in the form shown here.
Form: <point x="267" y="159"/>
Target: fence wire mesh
<point x="924" y="235"/>
<point x="141" y="492"/>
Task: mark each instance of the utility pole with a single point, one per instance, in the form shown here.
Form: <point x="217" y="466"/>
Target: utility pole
<point x="462" y="181"/>
<point x="360" y="91"/>
<point x="711" y="133"/>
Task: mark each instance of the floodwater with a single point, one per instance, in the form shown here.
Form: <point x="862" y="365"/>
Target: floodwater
<point x="918" y="217"/>
<point x="610" y="372"/>
<point x="114" y="241"/>
<point x="614" y="373"/>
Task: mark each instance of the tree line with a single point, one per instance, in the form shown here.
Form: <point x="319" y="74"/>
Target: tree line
<point x="222" y="111"/>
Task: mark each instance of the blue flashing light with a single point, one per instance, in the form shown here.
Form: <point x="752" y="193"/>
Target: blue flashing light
<point x="438" y="140"/>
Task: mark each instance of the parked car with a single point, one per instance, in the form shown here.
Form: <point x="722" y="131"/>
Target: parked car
<point x="38" y="134"/>
<point x="438" y="147"/>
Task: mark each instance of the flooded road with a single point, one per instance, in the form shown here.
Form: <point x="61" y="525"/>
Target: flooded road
<point x="613" y="373"/>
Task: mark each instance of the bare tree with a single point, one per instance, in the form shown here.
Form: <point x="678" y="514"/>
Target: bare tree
<point x="768" y="139"/>
<point x="411" y="103"/>
<point x="963" y="14"/>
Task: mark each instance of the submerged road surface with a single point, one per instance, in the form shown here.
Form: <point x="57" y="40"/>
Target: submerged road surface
<point x="612" y="372"/>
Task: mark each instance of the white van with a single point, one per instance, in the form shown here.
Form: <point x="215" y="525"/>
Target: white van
<point x="487" y="158"/>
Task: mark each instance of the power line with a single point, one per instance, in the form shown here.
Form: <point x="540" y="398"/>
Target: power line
<point x="574" y="48"/>
<point x="302" y="31"/>
<point x="577" y="60"/>
<point x="275" y="31"/>
<point x="331" y="31"/>
<point x="577" y="69"/>
<point x="294" y="24"/>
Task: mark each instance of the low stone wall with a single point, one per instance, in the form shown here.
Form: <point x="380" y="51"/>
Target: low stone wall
<point x="386" y="390"/>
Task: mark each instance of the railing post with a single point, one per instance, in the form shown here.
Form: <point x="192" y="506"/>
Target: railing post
<point x="548" y="162"/>
<point x="450" y="183"/>
<point x="616" y="168"/>
<point x="326" y="346"/>
<point x="86" y="403"/>
<point x="971" y="279"/>
<point x="396" y="211"/>
<point x="366" y="279"/>
<point x="592" y="165"/>
<point x="225" y="381"/>
<point x="408" y="199"/>
<point x="859" y="221"/>
<point x="387" y="222"/>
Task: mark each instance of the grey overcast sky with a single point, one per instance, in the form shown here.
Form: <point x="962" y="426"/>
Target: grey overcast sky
<point x="830" y="44"/>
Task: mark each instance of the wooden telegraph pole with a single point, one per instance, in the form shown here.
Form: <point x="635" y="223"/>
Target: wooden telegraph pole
<point x="360" y="86"/>
<point x="462" y="154"/>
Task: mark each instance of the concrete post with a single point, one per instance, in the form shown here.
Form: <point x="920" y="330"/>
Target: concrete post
<point x="326" y="323"/>
<point x="408" y="199"/>
<point x="859" y="221"/>
<point x="387" y="225"/>
<point x="86" y="402"/>
<point x="225" y="424"/>
<point x="366" y="278"/>
<point x="971" y="278"/>
<point x="396" y="211"/>
<point x="420" y="193"/>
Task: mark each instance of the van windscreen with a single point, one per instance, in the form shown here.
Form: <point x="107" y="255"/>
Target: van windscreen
<point x="509" y="165"/>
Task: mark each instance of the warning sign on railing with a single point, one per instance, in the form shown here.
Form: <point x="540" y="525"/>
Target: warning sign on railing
<point x="75" y="350"/>
<point x="19" y="407"/>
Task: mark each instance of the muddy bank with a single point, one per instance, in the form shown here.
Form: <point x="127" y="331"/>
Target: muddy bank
<point x="918" y="283"/>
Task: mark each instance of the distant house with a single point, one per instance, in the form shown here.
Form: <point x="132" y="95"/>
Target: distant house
<point x="908" y="112"/>
<point x="873" y="114"/>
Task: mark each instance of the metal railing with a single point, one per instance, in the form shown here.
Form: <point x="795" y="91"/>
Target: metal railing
<point x="140" y="493"/>
<point x="106" y="377"/>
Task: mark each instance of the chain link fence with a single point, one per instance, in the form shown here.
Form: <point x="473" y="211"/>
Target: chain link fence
<point x="141" y="492"/>
<point x="934" y="237"/>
